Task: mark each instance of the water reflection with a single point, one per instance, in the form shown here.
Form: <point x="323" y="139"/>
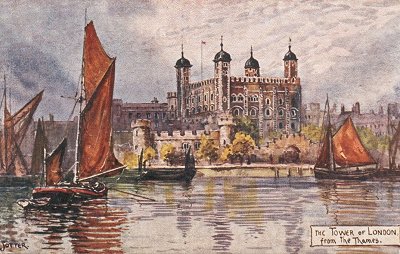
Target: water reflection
<point x="211" y="215"/>
<point x="91" y="226"/>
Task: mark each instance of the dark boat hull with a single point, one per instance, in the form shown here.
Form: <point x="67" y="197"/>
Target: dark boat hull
<point x="353" y="173"/>
<point x="18" y="181"/>
<point x="64" y="194"/>
<point x="169" y="174"/>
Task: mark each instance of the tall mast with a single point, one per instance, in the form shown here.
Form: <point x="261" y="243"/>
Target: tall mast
<point x="5" y="162"/>
<point x="80" y="101"/>
<point x="330" y="141"/>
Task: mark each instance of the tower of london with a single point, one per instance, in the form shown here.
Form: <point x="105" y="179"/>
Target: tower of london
<point x="272" y="103"/>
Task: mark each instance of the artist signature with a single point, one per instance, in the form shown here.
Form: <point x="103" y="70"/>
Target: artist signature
<point x="12" y="245"/>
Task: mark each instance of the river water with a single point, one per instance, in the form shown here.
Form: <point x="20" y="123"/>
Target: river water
<point x="210" y="215"/>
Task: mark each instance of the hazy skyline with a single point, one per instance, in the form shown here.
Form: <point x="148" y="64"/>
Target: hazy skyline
<point x="349" y="50"/>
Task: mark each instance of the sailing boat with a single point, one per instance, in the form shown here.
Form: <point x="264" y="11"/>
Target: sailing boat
<point x="14" y="170"/>
<point x="94" y="156"/>
<point x="343" y="156"/>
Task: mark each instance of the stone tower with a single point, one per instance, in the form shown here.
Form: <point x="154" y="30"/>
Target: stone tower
<point x="141" y="135"/>
<point x="251" y="67"/>
<point x="290" y="63"/>
<point x="225" y="123"/>
<point x="222" y="72"/>
<point x="182" y="82"/>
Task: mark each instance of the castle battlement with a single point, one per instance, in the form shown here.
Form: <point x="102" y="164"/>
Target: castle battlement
<point x="272" y="80"/>
<point x="187" y="134"/>
<point x="202" y="83"/>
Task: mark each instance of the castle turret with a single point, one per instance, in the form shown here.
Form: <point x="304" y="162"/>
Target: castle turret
<point x="141" y="135"/>
<point x="182" y="82"/>
<point x="290" y="63"/>
<point x="251" y="67"/>
<point x="222" y="70"/>
<point x="225" y="123"/>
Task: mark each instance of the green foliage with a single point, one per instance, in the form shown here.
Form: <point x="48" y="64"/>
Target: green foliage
<point x="246" y="125"/>
<point x="208" y="149"/>
<point x="312" y="132"/>
<point x="242" y="145"/>
<point x="130" y="160"/>
<point x="371" y="141"/>
<point x="167" y="152"/>
<point x="149" y="153"/>
<point x="227" y="153"/>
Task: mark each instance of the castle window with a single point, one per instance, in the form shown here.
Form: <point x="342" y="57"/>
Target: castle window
<point x="253" y="112"/>
<point x="293" y="113"/>
<point x="212" y="97"/>
<point x="185" y="146"/>
<point x="205" y="108"/>
<point x="196" y="145"/>
<point x="280" y="101"/>
<point x="236" y="112"/>
<point x="205" y="97"/>
<point x="240" y="97"/>
<point x="280" y="112"/>
<point x="225" y="64"/>
<point x="267" y="101"/>
<point x="267" y="112"/>
<point x="233" y="97"/>
<point x="148" y="115"/>
<point x="280" y="125"/>
<point x="212" y="107"/>
<point x="155" y="115"/>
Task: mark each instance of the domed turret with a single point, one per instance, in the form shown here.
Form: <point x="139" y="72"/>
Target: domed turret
<point x="290" y="55"/>
<point x="251" y="67"/>
<point x="290" y="63"/>
<point x="251" y="62"/>
<point x="182" y="62"/>
<point x="222" y="55"/>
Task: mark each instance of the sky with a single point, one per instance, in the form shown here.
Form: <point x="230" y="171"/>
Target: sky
<point x="347" y="49"/>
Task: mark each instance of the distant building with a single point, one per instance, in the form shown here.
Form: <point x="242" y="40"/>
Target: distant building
<point x="377" y="122"/>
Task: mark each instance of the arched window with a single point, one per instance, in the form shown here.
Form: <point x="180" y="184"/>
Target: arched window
<point x="293" y="126"/>
<point x="280" y="101"/>
<point x="280" y="112"/>
<point x="240" y="97"/>
<point x="205" y="108"/>
<point x="267" y="101"/>
<point x="280" y="125"/>
<point x="253" y="112"/>
<point x="293" y="112"/>
<point x="236" y="112"/>
<point x="212" y="107"/>
<point x="233" y="97"/>
<point x="212" y="97"/>
<point x="267" y="112"/>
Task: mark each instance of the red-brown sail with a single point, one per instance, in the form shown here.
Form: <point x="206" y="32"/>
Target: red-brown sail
<point x="38" y="149"/>
<point x="53" y="164"/>
<point x="323" y="160"/>
<point x="348" y="149"/>
<point x="21" y="119"/>
<point x="95" y="59"/>
<point x="96" y="154"/>
<point x="15" y="128"/>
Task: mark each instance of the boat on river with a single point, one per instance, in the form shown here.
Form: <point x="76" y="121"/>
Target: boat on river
<point x="14" y="169"/>
<point x="343" y="155"/>
<point x="94" y="156"/>
<point x="185" y="173"/>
